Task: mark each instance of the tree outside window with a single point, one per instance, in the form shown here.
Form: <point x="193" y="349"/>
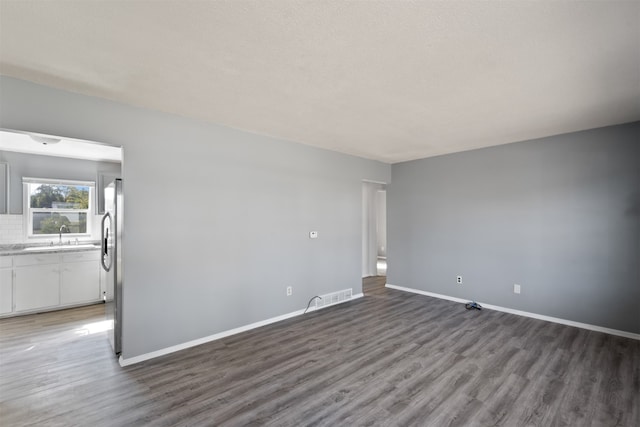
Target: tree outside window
<point x="53" y="205"/>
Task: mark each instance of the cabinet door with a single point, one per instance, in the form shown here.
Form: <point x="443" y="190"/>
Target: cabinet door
<point x="80" y="282"/>
<point x="6" y="290"/>
<point x="36" y="286"/>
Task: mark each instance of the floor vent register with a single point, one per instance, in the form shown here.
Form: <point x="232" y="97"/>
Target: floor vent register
<point x="333" y="298"/>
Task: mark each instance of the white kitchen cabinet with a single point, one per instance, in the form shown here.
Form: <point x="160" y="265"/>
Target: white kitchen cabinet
<point x="6" y="290"/>
<point x="6" y="284"/>
<point x="48" y="281"/>
<point x="80" y="279"/>
<point x="6" y="261"/>
<point x="36" y="286"/>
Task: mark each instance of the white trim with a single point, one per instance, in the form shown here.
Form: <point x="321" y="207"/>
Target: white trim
<point x="167" y="350"/>
<point x="523" y="313"/>
<point x="31" y="180"/>
<point x="374" y="182"/>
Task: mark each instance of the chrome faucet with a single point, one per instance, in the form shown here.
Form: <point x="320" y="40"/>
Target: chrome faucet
<point x="60" y="235"/>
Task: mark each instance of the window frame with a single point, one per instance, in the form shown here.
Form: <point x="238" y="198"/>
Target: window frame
<point x="29" y="211"/>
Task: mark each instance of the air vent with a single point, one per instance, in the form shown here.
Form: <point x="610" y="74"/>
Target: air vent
<point x="333" y="298"/>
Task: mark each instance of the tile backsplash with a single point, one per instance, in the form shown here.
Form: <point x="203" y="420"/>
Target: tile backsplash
<point x="12" y="230"/>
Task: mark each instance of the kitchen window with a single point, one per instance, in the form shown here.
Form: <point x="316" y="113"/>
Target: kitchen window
<point x="55" y="206"/>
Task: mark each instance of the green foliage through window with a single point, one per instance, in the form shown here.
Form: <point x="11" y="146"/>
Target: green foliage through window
<point x="50" y="222"/>
<point x="55" y="207"/>
<point x="60" y="197"/>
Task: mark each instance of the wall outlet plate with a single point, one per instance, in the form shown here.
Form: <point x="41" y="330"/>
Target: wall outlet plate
<point x="459" y="280"/>
<point x="289" y="291"/>
<point x="516" y="288"/>
<point x="313" y="234"/>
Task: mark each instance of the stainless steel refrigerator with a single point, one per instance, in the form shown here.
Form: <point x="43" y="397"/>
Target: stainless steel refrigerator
<point x="111" y="260"/>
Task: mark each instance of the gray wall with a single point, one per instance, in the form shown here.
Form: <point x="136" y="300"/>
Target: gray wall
<point x="216" y="219"/>
<point x="37" y="166"/>
<point x="560" y="216"/>
<point x="4" y="189"/>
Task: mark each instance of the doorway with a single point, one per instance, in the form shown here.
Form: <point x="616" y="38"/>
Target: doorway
<point x="374" y="235"/>
<point x="50" y="231"/>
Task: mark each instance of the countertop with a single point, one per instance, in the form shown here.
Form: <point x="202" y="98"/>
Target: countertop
<point x="25" y="249"/>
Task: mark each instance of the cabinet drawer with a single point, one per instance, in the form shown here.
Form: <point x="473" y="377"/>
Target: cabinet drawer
<point x="35" y="259"/>
<point x="6" y="261"/>
<point x="81" y="256"/>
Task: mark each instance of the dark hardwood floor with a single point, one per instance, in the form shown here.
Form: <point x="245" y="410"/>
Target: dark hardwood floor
<point x="389" y="358"/>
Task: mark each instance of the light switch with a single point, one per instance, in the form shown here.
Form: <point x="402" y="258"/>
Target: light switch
<point x="313" y="234"/>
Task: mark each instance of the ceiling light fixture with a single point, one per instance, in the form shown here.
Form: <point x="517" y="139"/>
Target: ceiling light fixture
<point x="45" y="140"/>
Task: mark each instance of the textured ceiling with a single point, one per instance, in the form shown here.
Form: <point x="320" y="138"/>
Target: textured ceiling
<point x="386" y="80"/>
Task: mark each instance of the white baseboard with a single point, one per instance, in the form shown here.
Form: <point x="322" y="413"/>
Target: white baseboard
<point x="167" y="350"/>
<point x="522" y="313"/>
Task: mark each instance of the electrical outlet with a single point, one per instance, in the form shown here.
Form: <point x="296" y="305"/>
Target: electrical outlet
<point x="459" y="280"/>
<point x="516" y="288"/>
<point x="289" y="291"/>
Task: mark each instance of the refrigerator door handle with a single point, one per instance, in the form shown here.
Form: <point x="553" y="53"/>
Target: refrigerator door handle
<point x="104" y="237"/>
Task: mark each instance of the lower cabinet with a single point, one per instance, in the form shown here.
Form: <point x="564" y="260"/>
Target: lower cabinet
<point x="6" y="290"/>
<point x="80" y="282"/>
<point x="35" y="282"/>
<point x="36" y="286"/>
